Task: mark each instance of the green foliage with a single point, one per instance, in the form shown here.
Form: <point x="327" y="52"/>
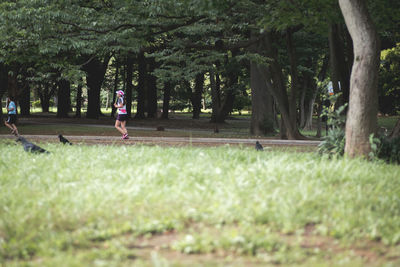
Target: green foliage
<point x="389" y="82"/>
<point x="241" y="102"/>
<point x="334" y="142"/>
<point x="37" y="103"/>
<point x="375" y="143"/>
<point x="389" y="150"/>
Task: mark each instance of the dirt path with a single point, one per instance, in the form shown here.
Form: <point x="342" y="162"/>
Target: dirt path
<point x="167" y="140"/>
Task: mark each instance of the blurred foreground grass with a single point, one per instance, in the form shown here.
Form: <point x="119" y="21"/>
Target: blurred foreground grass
<point x="96" y="205"/>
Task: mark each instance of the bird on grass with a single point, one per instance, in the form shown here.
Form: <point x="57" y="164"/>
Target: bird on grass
<point x="29" y="147"/>
<point x="64" y="140"/>
<point x="259" y="147"/>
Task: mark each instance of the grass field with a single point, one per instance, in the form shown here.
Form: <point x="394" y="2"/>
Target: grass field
<point x="164" y="206"/>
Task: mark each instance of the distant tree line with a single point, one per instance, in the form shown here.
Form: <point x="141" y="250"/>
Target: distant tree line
<point x="276" y="56"/>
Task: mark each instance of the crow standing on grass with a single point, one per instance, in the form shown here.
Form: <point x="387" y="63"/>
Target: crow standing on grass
<point x="29" y="147"/>
<point x="259" y="147"/>
<point x="64" y="140"/>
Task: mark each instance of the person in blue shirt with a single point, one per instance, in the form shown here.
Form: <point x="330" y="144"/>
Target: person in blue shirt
<point x="12" y="115"/>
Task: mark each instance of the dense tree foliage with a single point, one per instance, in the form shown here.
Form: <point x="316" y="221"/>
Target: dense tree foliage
<point x="220" y="54"/>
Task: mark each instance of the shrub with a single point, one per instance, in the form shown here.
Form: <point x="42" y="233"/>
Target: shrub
<point x="389" y="149"/>
<point x="333" y="143"/>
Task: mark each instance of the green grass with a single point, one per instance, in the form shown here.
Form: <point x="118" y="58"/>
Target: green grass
<point x="84" y="205"/>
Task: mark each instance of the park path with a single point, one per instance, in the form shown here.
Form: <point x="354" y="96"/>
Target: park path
<point x="140" y="128"/>
<point x="169" y="140"/>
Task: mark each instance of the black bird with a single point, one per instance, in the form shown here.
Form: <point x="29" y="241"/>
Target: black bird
<point x="29" y="147"/>
<point x="64" y="140"/>
<point x="259" y="147"/>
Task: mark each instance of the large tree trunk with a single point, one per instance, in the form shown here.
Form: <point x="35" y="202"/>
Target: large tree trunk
<point x="129" y="85"/>
<point x="151" y="90"/>
<point x="167" y="97"/>
<point x="63" y="99"/>
<point x="140" y="114"/>
<point x="262" y="105"/>
<point x="196" y="97"/>
<point x="95" y="71"/>
<point x="262" y="110"/>
<point x="363" y="104"/>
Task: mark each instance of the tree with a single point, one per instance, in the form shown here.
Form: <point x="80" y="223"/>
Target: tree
<point x="63" y="98"/>
<point x="95" y="69"/>
<point x="363" y="105"/>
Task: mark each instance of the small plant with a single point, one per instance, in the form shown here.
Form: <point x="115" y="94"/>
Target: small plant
<point x="389" y="149"/>
<point x="334" y="142"/>
<point x="375" y="144"/>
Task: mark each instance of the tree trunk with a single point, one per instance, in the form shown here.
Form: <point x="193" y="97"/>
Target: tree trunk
<point x="294" y="76"/>
<point x="262" y="112"/>
<point x="274" y="80"/>
<point x="319" y="120"/>
<point x="232" y="79"/>
<point x="396" y="130"/>
<point x="215" y="95"/>
<point x="341" y="58"/>
<point x="63" y="99"/>
<point x="140" y="114"/>
<point x="167" y="97"/>
<point x="196" y="97"/>
<point x="78" y="101"/>
<point x="3" y="85"/>
<point x="95" y="71"/>
<point x="45" y="94"/>
<point x="363" y="104"/>
<point x="151" y="90"/>
<point x="222" y="107"/>
<point x="25" y="99"/>
<point x="113" y="109"/>
<point x="129" y="85"/>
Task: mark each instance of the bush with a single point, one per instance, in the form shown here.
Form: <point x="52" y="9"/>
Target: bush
<point x="37" y="104"/>
<point x="389" y="150"/>
<point x="333" y="143"/>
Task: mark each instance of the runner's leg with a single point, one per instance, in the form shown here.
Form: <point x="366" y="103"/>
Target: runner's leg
<point x="123" y="123"/>
<point x="8" y="125"/>
<point x="15" y="129"/>
<point x="118" y="126"/>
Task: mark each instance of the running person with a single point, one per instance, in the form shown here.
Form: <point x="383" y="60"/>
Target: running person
<point x="12" y="115"/>
<point x="122" y="115"/>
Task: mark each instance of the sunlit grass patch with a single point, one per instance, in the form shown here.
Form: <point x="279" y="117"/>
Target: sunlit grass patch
<point x="79" y="197"/>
